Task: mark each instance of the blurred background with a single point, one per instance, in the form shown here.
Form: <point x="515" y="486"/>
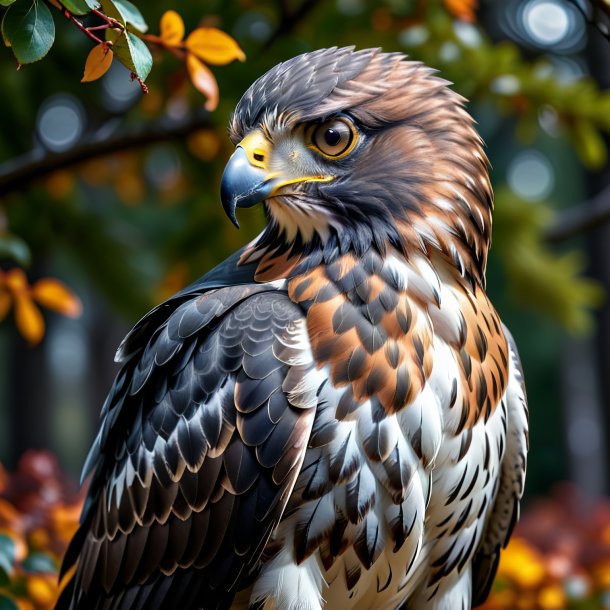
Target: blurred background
<point x="115" y="194"/>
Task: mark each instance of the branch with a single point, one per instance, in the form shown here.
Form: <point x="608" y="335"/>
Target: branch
<point x="18" y="173"/>
<point x="580" y="218"/>
<point x="289" y="20"/>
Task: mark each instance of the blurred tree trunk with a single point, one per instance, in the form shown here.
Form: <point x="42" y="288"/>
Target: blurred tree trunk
<point x="598" y="241"/>
<point x="30" y="398"/>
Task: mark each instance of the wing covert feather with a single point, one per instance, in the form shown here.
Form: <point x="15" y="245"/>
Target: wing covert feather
<point x="202" y="438"/>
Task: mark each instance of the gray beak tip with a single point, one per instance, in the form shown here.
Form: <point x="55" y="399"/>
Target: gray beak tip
<point x="243" y="185"/>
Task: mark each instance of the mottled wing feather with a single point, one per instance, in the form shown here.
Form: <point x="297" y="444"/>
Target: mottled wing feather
<point x="202" y="439"/>
<point x="512" y="479"/>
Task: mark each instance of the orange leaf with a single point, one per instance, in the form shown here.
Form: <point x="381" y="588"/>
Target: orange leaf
<point x="462" y="9"/>
<point x="213" y="46"/>
<point x="29" y="319"/>
<point x="5" y="303"/>
<point x="172" y="28"/>
<point x="41" y="589"/>
<point x="16" y="281"/>
<point x="54" y="295"/>
<point x="203" y="80"/>
<point x="98" y="62"/>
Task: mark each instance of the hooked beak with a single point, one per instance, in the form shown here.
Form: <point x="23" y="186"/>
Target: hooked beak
<point x="247" y="179"/>
<point x="243" y="184"/>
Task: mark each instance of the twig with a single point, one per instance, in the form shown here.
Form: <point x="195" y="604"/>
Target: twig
<point x="178" y="52"/>
<point x="19" y="173"/>
<point x="580" y="218"/>
<point x="289" y="20"/>
<point x="87" y="31"/>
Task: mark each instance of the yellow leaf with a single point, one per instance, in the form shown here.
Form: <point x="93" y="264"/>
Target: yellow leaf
<point x="54" y="295"/>
<point x="28" y="319"/>
<point x="203" y="80"/>
<point x="16" y="281"/>
<point x="172" y="28"/>
<point x="5" y="303"/>
<point x="213" y="46"/>
<point x="98" y="62"/>
<point x="41" y="590"/>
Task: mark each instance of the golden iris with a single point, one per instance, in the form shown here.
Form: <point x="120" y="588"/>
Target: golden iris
<point x="334" y="138"/>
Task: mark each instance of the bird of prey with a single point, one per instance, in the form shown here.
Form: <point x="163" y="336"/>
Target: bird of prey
<point x="335" y="416"/>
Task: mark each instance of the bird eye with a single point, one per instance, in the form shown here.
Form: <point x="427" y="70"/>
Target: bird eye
<point x="335" y="138"/>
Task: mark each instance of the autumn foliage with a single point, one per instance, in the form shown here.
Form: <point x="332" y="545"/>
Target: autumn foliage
<point x="558" y="558"/>
<point x="16" y="292"/>
<point x="39" y="512"/>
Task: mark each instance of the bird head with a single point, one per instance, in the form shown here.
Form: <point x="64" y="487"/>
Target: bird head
<point x="349" y="150"/>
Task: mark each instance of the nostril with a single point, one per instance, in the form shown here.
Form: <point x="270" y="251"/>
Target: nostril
<point x="259" y="157"/>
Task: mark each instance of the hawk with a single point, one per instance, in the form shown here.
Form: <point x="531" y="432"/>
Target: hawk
<point x="335" y="416"/>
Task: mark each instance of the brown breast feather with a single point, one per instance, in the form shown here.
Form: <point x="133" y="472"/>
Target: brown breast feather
<point x="376" y="334"/>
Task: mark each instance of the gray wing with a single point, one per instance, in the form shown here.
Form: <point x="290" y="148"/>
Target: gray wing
<point x="201" y="441"/>
<point x="505" y="512"/>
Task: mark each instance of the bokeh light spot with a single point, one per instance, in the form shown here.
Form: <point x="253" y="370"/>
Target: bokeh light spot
<point x="546" y="22"/>
<point x="60" y="122"/>
<point x="531" y="176"/>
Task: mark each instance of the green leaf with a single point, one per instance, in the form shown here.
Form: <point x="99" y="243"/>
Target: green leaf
<point x="6" y="603"/>
<point x="589" y="145"/>
<point x="39" y="562"/>
<point x="15" y="249"/>
<point x="77" y="7"/>
<point x="29" y="29"/>
<point x="7" y="554"/>
<point x="131" y="52"/>
<point x="6" y="2"/>
<point x="538" y="277"/>
<point x="126" y="13"/>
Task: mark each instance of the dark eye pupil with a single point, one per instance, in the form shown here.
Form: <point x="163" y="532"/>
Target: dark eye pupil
<point x="332" y="137"/>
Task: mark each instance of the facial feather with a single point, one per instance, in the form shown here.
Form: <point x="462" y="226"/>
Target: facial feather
<point x="416" y="179"/>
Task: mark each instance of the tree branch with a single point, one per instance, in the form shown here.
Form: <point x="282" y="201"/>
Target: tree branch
<point x="18" y="173"/>
<point x="580" y="218"/>
<point x="289" y="20"/>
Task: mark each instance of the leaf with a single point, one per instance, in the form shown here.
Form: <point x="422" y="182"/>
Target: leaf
<point x="5" y="303"/>
<point x="172" y="28"/>
<point x="538" y="277"/>
<point x="7" y="554"/>
<point x="28" y="318"/>
<point x="6" y="2"/>
<point x="6" y="603"/>
<point x="15" y="249"/>
<point x="98" y="62"/>
<point x="16" y="281"/>
<point x="125" y="12"/>
<point x="462" y="9"/>
<point x="213" y="46"/>
<point x="29" y="29"/>
<point x="53" y="294"/>
<point x="131" y="52"/>
<point x="39" y="562"/>
<point x="77" y="7"/>
<point x="203" y="80"/>
<point x="589" y="145"/>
